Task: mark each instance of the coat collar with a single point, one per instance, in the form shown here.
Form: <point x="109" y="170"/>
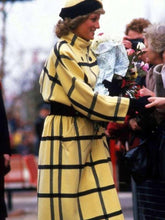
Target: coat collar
<point x="76" y="41"/>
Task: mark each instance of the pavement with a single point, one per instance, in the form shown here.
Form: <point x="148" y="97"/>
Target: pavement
<point x="25" y="206"/>
<point x="126" y="204"/>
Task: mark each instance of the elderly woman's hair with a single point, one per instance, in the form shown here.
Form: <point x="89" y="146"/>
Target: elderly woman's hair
<point x="138" y="25"/>
<point x="63" y="27"/>
<point x="155" y="35"/>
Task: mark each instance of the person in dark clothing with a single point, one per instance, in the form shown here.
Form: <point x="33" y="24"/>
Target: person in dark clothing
<point x="4" y="154"/>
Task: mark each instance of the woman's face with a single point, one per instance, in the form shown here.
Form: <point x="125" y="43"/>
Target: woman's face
<point x="86" y="30"/>
<point x="151" y="56"/>
<point x="134" y="35"/>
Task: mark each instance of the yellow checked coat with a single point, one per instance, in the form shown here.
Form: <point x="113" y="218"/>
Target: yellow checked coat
<point x="75" y="179"/>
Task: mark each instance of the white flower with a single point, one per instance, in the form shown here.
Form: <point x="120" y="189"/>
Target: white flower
<point x="140" y="46"/>
<point x="104" y="39"/>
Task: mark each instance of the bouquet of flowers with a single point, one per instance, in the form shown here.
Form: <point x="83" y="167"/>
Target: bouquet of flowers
<point x="136" y="72"/>
<point x="121" y="74"/>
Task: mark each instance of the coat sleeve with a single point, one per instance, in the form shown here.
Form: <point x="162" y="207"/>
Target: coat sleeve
<point x="84" y="99"/>
<point x="64" y="80"/>
<point x="4" y="132"/>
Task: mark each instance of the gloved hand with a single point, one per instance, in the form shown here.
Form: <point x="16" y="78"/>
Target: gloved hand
<point x="138" y="105"/>
<point x="113" y="87"/>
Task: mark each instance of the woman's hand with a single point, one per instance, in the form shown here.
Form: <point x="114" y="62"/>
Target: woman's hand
<point x="158" y="102"/>
<point x="146" y="92"/>
<point x="127" y="43"/>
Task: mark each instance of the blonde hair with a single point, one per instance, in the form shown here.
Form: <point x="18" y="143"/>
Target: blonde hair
<point x="63" y="27"/>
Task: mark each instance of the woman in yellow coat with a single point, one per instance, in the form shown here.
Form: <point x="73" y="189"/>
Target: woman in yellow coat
<point x="75" y="179"/>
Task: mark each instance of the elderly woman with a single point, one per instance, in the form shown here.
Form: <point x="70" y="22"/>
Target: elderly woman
<point x="155" y="55"/>
<point x="153" y="196"/>
<point x="75" y="179"/>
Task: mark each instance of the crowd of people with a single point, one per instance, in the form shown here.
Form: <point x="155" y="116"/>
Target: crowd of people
<point x="25" y="134"/>
<point x="75" y="179"/>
